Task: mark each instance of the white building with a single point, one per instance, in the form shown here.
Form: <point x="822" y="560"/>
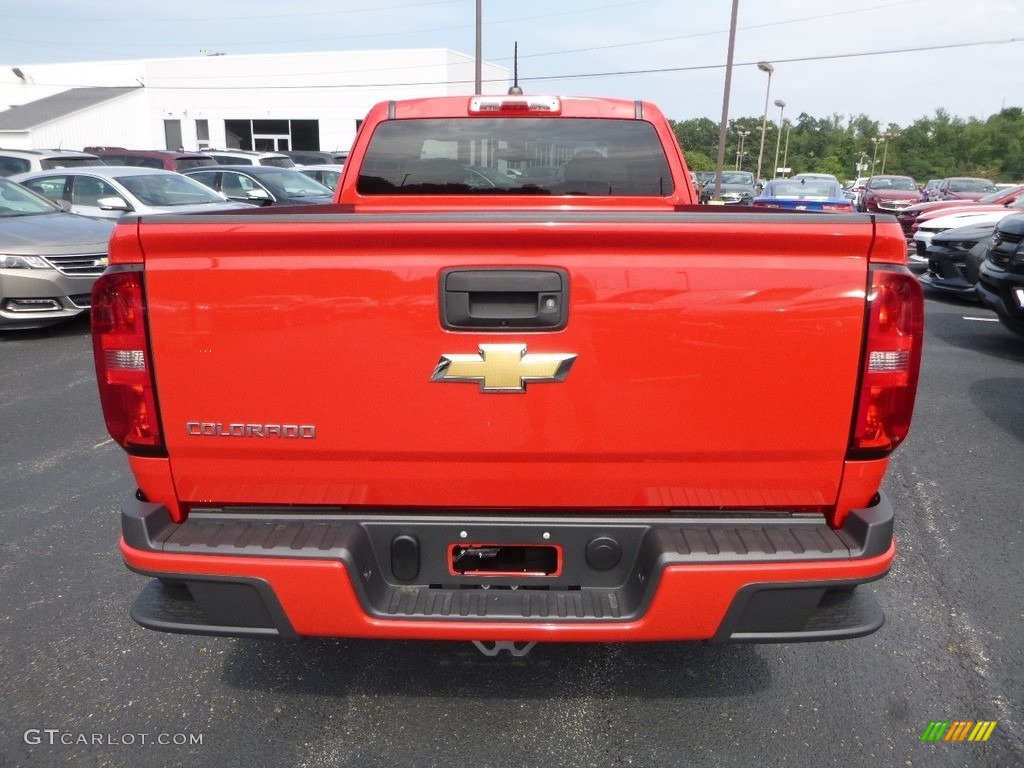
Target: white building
<point x="263" y="102"/>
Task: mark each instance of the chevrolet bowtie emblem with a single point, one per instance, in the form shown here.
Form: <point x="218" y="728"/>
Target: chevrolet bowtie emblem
<point x="503" y="367"/>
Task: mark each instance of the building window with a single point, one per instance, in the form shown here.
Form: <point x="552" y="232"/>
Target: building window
<point x="203" y="134"/>
<point x="172" y="134"/>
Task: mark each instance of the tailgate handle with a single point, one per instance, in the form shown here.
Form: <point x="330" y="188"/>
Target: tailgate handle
<point x="504" y="299"/>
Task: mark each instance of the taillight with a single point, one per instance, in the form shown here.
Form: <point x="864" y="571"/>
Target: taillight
<point x="837" y="207"/>
<point x="891" y="363"/>
<point x="124" y="368"/>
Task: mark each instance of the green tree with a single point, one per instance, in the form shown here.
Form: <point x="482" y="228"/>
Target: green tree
<point x="929" y="148"/>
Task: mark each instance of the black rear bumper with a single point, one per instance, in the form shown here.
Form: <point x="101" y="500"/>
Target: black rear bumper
<point x="608" y="571"/>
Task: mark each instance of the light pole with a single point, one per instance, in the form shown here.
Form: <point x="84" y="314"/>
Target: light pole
<point x="785" y="154"/>
<point x="885" y="149"/>
<point x="764" y="66"/>
<point x="879" y="139"/>
<point x="739" y="152"/>
<point x="778" y="141"/>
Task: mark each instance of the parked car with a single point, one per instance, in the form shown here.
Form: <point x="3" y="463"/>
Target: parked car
<point x="168" y="159"/>
<point x="928" y="190"/>
<point x="263" y="184"/>
<point x="964" y="208"/>
<point x="315" y="157"/>
<point x="962" y="188"/>
<point x="816" y="177"/>
<point x="14" y="161"/>
<point x="49" y="259"/>
<point x="1001" y="276"/>
<point x="701" y="180"/>
<point x="909" y="217"/>
<point x="110" y="191"/>
<point x="888" y="194"/>
<point x="856" y="187"/>
<point x="327" y="175"/>
<point x="948" y="253"/>
<point x="960" y="217"/>
<point x="737" y="188"/>
<point x="247" y="157"/>
<point x="803" y="194"/>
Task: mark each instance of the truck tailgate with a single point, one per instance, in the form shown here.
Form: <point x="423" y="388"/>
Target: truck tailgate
<point x="716" y="360"/>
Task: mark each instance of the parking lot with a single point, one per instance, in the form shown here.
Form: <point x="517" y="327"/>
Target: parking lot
<point x="82" y="685"/>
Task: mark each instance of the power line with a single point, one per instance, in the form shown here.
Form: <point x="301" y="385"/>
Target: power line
<point x="676" y="38"/>
<point x="780" y="60"/>
<point x="581" y="76"/>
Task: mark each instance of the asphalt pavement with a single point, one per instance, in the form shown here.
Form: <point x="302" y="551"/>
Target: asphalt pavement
<point x="82" y="685"/>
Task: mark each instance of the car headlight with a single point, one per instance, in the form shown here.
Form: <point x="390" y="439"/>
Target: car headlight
<point x="23" y="262"/>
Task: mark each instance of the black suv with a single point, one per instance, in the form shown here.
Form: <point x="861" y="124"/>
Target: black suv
<point x="1001" y="276"/>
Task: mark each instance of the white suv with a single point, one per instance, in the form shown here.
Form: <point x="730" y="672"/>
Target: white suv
<point x="14" y="161"/>
<point x="247" y="157"/>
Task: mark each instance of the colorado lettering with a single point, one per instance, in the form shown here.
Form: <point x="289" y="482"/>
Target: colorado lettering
<point x="219" y="429"/>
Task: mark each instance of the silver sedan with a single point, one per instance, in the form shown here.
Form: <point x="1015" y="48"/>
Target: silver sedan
<point x="49" y="259"/>
<point x="110" y="191"/>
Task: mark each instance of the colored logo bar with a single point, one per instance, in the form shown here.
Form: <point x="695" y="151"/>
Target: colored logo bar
<point x="959" y="730"/>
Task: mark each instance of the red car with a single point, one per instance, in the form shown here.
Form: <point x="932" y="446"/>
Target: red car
<point x="909" y="216"/>
<point x="976" y="208"/>
<point x="962" y="188"/>
<point x="888" y="194"/>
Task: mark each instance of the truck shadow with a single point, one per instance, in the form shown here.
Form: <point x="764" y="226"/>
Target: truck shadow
<point x="76" y="326"/>
<point x="339" y="668"/>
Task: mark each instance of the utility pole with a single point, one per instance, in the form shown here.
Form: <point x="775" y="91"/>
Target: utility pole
<point x="724" y="126"/>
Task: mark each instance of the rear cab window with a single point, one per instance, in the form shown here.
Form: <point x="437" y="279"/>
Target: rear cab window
<point x="515" y="156"/>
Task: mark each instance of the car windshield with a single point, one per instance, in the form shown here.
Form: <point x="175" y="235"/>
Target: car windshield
<point x="738" y="177"/>
<point x="902" y="184"/>
<point x="161" y="189"/>
<point x="292" y="183"/>
<point x="807" y="190"/>
<point x="555" y="156"/>
<point x="972" y="185"/>
<point x="15" y="200"/>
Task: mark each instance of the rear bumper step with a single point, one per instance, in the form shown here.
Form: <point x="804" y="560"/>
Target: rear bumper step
<point x="751" y="577"/>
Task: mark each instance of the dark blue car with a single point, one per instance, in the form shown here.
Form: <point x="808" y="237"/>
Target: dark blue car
<point x="804" y="195"/>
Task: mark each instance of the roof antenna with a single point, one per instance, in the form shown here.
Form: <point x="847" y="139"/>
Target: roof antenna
<point x="515" y="90"/>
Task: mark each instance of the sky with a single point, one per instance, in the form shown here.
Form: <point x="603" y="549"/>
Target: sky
<point x="894" y="61"/>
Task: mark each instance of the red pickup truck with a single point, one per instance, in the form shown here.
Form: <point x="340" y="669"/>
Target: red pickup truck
<point x="515" y="386"/>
